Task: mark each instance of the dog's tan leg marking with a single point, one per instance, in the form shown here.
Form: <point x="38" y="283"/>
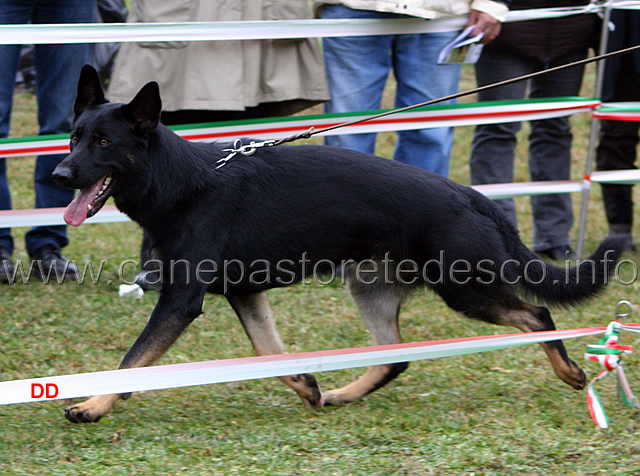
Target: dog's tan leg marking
<point x="164" y="327"/>
<point x="256" y="317"/>
<point x="94" y="408"/>
<point x="379" y="306"/>
<point x="530" y="319"/>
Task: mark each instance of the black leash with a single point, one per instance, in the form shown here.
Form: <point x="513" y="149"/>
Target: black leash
<point x="312" y="131"/>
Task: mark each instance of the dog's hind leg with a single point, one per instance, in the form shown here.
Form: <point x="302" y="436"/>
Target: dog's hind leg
<point x="500" y="306"/>
<point x="256" y="317"/>
<point x="529" y="318"/>
<point x="175" y="310"/>
<point x="379" y="306"/>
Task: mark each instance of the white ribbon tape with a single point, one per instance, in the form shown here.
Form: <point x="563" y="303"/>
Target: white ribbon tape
<point x="218" y="371"/>
<point x="252" y="30"/>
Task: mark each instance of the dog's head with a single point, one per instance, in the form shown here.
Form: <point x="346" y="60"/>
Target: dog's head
<point x="108" y="143"/>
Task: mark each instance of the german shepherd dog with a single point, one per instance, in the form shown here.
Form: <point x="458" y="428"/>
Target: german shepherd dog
<point x="293" y="210"/>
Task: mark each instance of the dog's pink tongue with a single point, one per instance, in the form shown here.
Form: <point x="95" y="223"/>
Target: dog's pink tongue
<point x="76" y="212"/>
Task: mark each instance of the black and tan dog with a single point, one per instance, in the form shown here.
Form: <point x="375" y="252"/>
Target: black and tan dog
<point x="283" y="213"/>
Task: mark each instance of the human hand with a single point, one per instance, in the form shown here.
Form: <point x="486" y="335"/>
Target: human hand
<point x="484" y="23"/>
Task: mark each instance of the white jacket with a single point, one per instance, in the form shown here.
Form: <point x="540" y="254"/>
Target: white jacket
<point x="425" y="8"/>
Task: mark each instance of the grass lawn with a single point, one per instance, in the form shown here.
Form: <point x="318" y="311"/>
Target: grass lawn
<point x="491" y="413"/>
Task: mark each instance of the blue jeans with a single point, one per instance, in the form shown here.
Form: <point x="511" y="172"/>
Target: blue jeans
<point x="358" y="68"/>
<point x="493" y="145"/>
<point x="57" y="71"/>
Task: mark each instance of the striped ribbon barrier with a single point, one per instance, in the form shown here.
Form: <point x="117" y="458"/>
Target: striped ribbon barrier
<point x="110" y="214"/>
<point x="432" y="116"/>
<point x="249" y="368"/>
<point x="276" y="128"/>
<point x="260" y="30"/>
<point x="488" y="112"/>
<point x="624" y="111"/>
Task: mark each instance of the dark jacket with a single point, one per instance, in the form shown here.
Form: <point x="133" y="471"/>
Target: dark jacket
<point x="548" y="39"/>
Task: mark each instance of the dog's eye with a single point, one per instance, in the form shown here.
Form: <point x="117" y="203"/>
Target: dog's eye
<point x="74" y="138"/>
<point x="102" y="141"/>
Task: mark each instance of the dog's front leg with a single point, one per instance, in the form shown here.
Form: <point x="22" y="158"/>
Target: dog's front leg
<point x="176" y="308"/>
<point x="256" y="317"/>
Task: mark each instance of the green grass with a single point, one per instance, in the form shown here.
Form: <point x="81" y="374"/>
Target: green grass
<point x="492" y="413"/>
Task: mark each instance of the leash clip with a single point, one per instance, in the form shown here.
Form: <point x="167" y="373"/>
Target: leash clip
<point x="248" y="149"/>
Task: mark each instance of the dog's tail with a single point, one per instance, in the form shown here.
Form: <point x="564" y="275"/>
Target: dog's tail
<point x="546" y="282"/>
<point x="556" y="285"/>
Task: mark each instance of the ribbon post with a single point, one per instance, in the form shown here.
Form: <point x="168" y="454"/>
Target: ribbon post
<point x="608" y="352"/>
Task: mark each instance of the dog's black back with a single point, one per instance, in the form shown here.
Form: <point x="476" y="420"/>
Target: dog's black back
<point x="316" y="205"/>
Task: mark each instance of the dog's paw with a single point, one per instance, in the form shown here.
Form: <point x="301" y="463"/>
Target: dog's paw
<point x="312" y="396"/>
<point x="76" y="415"/>
<point x="579" y="379"/>
<point x="572" y="375"/>
<point x="307" y="388"/>
<point x="91" y="410"/>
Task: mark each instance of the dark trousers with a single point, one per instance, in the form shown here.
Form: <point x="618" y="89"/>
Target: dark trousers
<point x="619" y="139"/>
<point x="617" y="151"/>
<point x="493" y="145"/>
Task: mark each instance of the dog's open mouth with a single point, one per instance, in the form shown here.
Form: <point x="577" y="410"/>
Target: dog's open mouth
<point x="88" y="202"/>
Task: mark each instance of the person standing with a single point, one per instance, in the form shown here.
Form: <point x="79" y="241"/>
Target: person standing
<point x="358" y="68"/>
<point x="523" y="48"/>
<point x="57" y="69"/>
<point x="207" y="81"/>
<point x="618" y="143"/>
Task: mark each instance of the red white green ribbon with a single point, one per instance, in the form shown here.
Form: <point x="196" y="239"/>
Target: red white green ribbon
<point x="608" y="352"/>
<point x="275" y="128"/>
<point x="622" y="111"/>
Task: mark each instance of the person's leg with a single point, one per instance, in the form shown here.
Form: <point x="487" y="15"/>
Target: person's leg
<point x="357" y="70"/>
<point x="11" y="12"/>
<point x="617" y="151"/>
<point x="493" y="145"/>
<point x="419" y="78"/>
<point x="550" y="157"/>
<point x="6" y="240"/>
<point x="618" y="143"/>
<point x="57" y="71"/>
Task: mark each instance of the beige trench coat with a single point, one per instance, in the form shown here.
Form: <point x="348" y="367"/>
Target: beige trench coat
<point x="221" y="75"/>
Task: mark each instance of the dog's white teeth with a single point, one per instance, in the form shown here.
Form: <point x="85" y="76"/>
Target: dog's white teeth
<point x="106" y="183"/>
<point x="89" y="208"/>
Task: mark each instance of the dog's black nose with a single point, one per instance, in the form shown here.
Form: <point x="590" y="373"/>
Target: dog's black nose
<point x="62" y="176"/>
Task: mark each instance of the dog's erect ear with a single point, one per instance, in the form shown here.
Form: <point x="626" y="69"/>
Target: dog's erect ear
<point x="143" y="112"/>
<point x="90" y="92"/>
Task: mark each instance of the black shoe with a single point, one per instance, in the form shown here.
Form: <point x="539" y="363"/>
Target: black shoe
<point x="558" y="253"/>
<point x="49" y="265"/>
<point x="7" y="271"/>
